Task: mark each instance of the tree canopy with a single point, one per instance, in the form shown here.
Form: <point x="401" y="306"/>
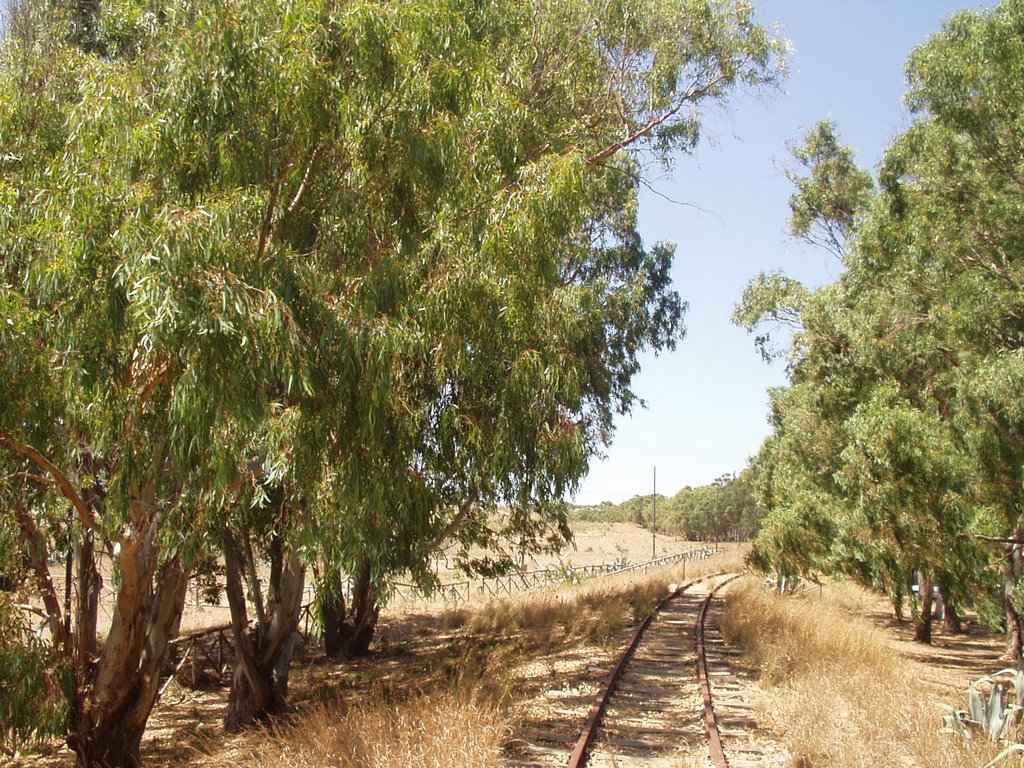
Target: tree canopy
<point x="725" y="510"/>
<point x="896" y="454"/>
<point x="326" y="280"/>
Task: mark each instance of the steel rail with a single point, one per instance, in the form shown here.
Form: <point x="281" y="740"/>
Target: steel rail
<point x="710" y="721"/>
<point x="580" y="754"/>
<point x="578" y="758"/>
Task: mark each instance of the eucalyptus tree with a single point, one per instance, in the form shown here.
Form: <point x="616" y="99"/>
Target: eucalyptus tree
<point x="948" y="319"/>
<point x="822" y="471"/>
<point x="137" y="334"/>
<point x="519" y="337"/>
<point x="929" y="457"/>
<point x="865" y="475"/>
<point x="865" y="449"/>
<point x="281" y="270"/>
<point x="831" y="190"/>
<point x="796" y="466"/>
<point x="956" y="177"/>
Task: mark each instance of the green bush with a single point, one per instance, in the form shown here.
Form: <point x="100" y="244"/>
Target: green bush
<point x="35" y="692"/>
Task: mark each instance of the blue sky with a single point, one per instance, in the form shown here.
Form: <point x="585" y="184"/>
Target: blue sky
<point x="707" y="402"/>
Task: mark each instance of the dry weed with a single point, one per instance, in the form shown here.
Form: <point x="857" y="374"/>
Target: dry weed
<point x="464" y="720"/>
<point x="593" y="611"/>
<point x="428" y="730"/>
<point x="836" y="690"/>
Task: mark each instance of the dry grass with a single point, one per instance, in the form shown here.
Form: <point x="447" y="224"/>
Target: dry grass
<point x="834" y="687"/>
<point x="446" y="689"/>
<point x="466" y="717"/>
<point x="428" y="730"/>
<point x="593" y="611"/>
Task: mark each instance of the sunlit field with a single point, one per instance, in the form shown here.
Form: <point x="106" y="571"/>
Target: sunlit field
<point x="834" y="687"/>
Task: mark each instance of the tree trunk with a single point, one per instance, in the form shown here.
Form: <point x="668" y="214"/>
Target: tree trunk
<point x="36" y="556"/>
<point x="259" y="682"/>
<point x="923" y="616"/>
<point x="952" y="620"/>
<point x="1014" y="634"/>
<point x="251" y="695"/>
<point x="107" y="723"/>
<point x="331" y="602"/>
<point x="1014" y="643"/>
<point x="357" y="632"/>
<point x="90" y="583"/>
<point x="951" y="615"/>
<point x="114" y="694"/>
<point x="896" y="599"/>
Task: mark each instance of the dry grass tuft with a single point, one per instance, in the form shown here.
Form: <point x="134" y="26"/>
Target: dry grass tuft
<point x="794" y="637"/>
<point x="836" y="689"/>
<point x="428" y="730"/>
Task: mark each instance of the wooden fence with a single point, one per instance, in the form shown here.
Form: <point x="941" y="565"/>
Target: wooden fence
<point x="508" y="585"/>
<point x="204" y="655"/>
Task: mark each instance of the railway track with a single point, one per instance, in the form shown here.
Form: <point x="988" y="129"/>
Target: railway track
<point x="672" y="699"/>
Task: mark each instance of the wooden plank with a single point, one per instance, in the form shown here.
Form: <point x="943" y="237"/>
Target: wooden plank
<point x="648" y="746"/>
<point x="743" y="722"/>
<point x="536" y="749"/>
<point x="642" y="707"/>
<point x="651" y="729"/>
<point x="636" y="693"/>
<point x="553" y="736"/>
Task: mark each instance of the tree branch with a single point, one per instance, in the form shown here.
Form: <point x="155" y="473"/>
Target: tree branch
<point x="253" y="579"/>
<point x="159" y="375"/>
<point x="85" y="515"/>
<point x="999" y="539"/>
<point x="37" y="560"/>
<point x="453" y="526"/>
<point x="305" y="178"/>
<point x="34" y="478"/>
<point x="693" y="95"/>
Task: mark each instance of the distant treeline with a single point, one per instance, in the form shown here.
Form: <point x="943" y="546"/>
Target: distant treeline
<point x="723" y="510"/>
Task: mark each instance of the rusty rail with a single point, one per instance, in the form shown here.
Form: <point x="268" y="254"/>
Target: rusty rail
<point x="578" y="758"/>
<point x="710" y="721"/>
<point x="580" y="753"/>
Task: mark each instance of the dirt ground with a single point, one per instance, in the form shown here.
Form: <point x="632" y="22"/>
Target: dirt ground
<point x="952" y="661"/>
<point x="413" y="648"/>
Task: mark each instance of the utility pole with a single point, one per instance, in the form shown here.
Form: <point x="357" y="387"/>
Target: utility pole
<point x="654" y="517"/>
<point x="718" y="507"/>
